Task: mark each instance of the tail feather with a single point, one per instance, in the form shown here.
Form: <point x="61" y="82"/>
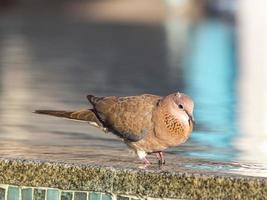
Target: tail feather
<point x="82" y="115"/>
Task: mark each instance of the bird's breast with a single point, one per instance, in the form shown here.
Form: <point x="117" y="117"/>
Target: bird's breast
<point x="172" y="131"/>
<point x="173" y="125"/>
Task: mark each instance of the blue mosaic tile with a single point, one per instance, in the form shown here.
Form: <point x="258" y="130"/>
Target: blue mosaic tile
<point x="2" y="193"/>
<point x="80" y="196"/>
<point x="26" y="194"/>
<point x="39" y="194"/>
<point x="52" y="194"/>
<point x="66" y="195"/>
<point x="106" y="197"/>
<point x="13" y="193"/>
<point x="94" y="196"/>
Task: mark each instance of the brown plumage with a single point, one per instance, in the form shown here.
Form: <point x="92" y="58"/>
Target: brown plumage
<point x="147" y="123"/>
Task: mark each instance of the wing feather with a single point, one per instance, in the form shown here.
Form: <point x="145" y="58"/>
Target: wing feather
<point x="127" y="117"/>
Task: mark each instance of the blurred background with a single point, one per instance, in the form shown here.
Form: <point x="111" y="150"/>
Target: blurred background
<point x="54" y="53"/>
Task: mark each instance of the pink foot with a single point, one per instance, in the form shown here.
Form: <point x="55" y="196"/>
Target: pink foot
<point x="146" y="161"/>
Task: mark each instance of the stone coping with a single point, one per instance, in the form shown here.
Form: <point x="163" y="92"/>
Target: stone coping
<point x="137" y="182"/>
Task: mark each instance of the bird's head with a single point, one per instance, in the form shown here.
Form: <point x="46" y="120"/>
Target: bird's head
<point x="181" y="105"/>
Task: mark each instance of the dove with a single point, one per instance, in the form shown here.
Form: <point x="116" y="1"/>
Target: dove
<point x="146" y="123"/>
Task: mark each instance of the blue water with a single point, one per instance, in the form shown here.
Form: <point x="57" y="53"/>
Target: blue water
<point x="211" y="73"/>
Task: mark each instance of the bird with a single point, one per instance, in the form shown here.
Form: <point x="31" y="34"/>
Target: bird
<point x="147" y="123"/>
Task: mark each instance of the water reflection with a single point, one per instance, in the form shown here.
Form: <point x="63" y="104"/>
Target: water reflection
<point x="16" y="79"/>
<point x="210" y="78"/>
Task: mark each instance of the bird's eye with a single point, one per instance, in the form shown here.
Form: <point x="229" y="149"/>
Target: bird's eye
<point x="181" y="106"/>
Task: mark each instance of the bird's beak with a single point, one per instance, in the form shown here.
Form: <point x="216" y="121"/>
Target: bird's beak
<point x="191" y="117"/>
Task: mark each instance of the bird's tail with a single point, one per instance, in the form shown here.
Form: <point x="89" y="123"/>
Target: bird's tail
<point x="82" y="115"/>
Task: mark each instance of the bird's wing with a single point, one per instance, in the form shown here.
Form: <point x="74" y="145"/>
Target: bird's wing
<point x="127" y="117"/>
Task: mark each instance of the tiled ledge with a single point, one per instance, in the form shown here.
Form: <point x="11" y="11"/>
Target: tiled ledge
<point x="126" y="181"/>
<point x="11" y="192"/>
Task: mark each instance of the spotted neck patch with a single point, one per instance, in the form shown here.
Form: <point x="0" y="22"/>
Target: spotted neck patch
<point x="173" y="125"/>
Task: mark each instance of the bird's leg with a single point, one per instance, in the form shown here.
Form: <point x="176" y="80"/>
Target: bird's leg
<point x="146" y="161"/>
<point x="142" y="156"/>
<point x="160" y="158"/>
<point x="158" y="155"/>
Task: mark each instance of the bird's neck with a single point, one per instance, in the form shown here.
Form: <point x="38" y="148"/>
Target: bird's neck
<point x="173" y="124"/>
<point x="171" y="130"/>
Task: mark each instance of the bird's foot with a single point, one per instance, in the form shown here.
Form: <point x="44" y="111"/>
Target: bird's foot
<point x="160" y="157"/>
<point x="145" y="161"/>
<point x="142" y="156"/>
<point x="160" y="162"/>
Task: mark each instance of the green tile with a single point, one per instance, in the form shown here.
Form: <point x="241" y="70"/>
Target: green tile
<point x="80" y="196"/>
<point x="94" y="196"/>
<point x="52" y="194"/>
<point x="122" y="198"/>
<point x="13" y="193"/>
<point x="106" y="197"/>
<point x="66" y="195"/>
<point x="39" y="194"/>
<point x="26" y="194"/>
<point x="2" y="193"/>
